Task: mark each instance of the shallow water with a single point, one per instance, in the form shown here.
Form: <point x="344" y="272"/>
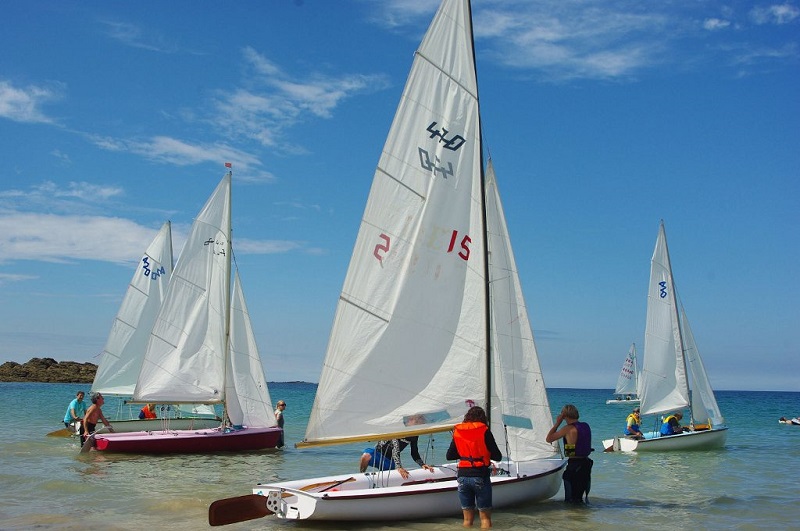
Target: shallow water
<point x="750" y="484"/>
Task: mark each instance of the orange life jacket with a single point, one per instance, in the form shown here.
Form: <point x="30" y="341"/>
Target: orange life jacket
<point x="471" y="444"/>
<point x="148" y="414"/>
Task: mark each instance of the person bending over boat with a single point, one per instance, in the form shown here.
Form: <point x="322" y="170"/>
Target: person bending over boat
<point x="93" y="414"/>
<point x="672" y="424"/>
<point x="76" y="410"/>
<point x="386" y="455"/>
<point x="632" y="423"/>
<point x="148" y="412"/>
<point x="475" y="448"/>
<point x="577" y="447"/>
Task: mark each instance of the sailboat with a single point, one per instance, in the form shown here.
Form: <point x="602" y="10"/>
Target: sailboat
<point x="431" y="318"/>
<point x="627" y="391"/>
<point x="124" y="351"/>
<point x="673" y="375"/>
<point x="202" y="349"/>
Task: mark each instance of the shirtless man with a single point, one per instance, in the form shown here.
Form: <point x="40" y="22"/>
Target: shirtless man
<point x="93" y="414"/>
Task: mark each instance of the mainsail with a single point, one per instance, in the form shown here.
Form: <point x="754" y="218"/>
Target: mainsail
<point x="627" y="382"/>
<point x="122" y="356"/>
<point x="185" y="358"/>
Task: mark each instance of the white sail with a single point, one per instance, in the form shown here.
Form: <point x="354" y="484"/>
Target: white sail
<point x="704" y="405"/>
<point x="185" y="358"/>
<point x="408" y="337"/>
<point x="664" y="382"/>
<point x="628" y="379"/>
<point x="520" y="414"/>
<point x="122" y="356"/>
<point x="247" y="397"/>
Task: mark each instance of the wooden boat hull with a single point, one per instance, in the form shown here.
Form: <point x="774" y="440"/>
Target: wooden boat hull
<point x="693" y="440"/>
<point x="387" y="496"/>
<point x="189" y="441"/>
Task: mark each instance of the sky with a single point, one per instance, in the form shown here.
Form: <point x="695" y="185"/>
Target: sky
<point x="602" y="118"/>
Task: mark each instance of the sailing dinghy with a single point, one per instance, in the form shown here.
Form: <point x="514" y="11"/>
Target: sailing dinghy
<point x="124" y="351"/>
<point x="202" y="350"/>
<point x="627" y="391"/>
<point x="431" y="318"/>
<point x="673" y="375"/>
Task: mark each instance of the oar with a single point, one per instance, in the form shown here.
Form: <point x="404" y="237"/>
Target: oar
<point x="63" y="432"/>
<point x="238" y="509"/>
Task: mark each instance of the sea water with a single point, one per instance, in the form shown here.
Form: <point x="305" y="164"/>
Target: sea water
<point x="45" y="483"/>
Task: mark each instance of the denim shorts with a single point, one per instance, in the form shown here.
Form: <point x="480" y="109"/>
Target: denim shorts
<point x="380" y="461"/>
<point x="474" y="491"/>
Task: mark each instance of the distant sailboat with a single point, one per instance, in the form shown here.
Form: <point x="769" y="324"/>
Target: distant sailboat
<point x="124" y="351"/>
<point x="627" y="391"/>
<point x="431" y="318"/>
<point x="672" y="367"/>
<point x="202" y="349"/>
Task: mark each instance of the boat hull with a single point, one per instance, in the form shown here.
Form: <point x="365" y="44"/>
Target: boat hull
<point x="189" y="441"/>
<point x="692" y="440"/>
<point x="127" y="426"/>
<point x="387" y="496"/>
<point x="615" y="401"/>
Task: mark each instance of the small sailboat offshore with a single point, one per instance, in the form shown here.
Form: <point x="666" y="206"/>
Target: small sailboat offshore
<point x="431" y="319"/>
<point x="126" y="345"/>
<point x="201" y="350"/>
<point x="627" y="390"/>
<point x="673" y="376"/>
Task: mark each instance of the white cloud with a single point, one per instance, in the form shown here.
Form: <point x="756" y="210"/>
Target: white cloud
<point x="713" y="24"/>
<point x="23" y="104"/>
<point x="775" y="14"/>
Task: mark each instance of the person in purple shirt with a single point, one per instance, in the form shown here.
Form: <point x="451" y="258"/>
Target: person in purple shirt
<point x="577" y="447"/>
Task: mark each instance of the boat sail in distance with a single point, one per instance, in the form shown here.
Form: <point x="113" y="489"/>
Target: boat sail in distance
<point x="202" y="350"/>
<point x="431" y="318"/>
<point x="673" y="375"/>
<point x="627" y="391"/>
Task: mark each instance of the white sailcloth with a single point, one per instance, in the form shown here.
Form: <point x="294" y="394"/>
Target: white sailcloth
<point x="185" y="358"/>
<point x="628" y="379"/>
<point x="704" y="403"/>
<point x="247" y="397"/>
<point x="122" y="356"/>
<point x="520" y="413"/>
<point x="409" y="337"/>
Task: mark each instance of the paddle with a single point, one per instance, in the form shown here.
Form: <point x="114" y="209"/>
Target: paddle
<point x="238" y="509"/>
<point x="252" y="506"/>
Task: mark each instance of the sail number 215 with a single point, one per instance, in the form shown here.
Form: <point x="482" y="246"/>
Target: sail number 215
<point x="459" y="244"/>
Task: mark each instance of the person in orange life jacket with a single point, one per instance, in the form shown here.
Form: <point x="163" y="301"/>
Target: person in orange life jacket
<point x="577" y="447"/>
<point x="148" y="412"/>
<point x="386" y="454"/>
<point x="475" y="448"/>
<point x="632" y="423"/>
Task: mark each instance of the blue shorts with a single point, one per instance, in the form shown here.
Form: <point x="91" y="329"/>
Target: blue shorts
<point x="474" y="491"/>
<point x="381" y="462"/>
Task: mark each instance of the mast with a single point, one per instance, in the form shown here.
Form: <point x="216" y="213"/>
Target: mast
<point x="677" y="317"/>
<point x="228" y="259"/>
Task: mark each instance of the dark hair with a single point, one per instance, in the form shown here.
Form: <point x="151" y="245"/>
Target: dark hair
<point x="476" y="414"/>
<point x="95" y="397"/>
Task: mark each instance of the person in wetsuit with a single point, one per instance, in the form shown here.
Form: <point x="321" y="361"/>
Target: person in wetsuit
<point x="577" y="447"/>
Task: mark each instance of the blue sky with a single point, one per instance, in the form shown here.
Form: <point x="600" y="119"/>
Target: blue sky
<point x="601" y="117"/>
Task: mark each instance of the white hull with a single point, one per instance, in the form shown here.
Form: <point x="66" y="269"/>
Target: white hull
<point x="616" y="401"/>
<point x="387" y="496"/>
<point x="692" y="440"/>
<point x="126" y="426"/>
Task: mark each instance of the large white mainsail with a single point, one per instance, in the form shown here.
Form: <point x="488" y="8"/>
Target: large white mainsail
<point x="185" y="358"/>
<point x="664" y="384"/>
<point x="408" y="337"/>
<point x="520" y="413"/>
<point x="247" y="399"/>
<point x="122" y="356"/>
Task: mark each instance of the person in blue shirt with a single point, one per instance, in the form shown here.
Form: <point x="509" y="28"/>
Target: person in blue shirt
<point x="672" y="424"/>
<point x="76" y="410"/>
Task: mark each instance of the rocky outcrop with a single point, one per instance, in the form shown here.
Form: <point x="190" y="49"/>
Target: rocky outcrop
<point x="47" y="370"/>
